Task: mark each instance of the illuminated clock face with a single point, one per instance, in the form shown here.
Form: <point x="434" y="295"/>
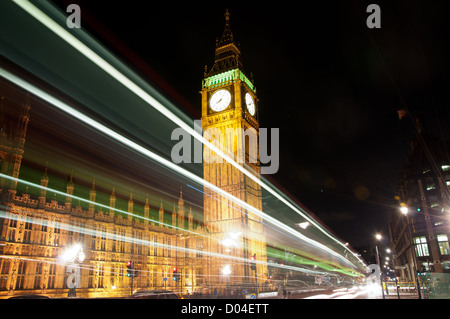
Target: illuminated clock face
<point x="220" y="100"/>
<point x="250" y="104"/>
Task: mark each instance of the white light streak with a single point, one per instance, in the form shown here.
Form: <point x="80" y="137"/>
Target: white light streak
<point x="94" y="232"/>
<point x="108" y="68"/>
<point x="132" y="145"/>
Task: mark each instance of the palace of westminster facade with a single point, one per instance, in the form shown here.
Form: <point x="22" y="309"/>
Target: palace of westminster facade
<point x="36" y="230"/>
<point x="35" y="233"/>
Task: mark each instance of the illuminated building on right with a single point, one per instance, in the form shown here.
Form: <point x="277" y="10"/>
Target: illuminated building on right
<point x="420" y="226"/>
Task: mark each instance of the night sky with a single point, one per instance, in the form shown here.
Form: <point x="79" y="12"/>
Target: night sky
<point x="330" y="84"/>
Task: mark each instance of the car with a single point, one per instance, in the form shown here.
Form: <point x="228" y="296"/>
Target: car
<point x="30" y="297"/>
<point x="154" y="294"/>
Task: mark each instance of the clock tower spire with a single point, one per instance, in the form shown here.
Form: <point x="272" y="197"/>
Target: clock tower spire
<point x="227" y="36"/>
<point x="228" y="53"/>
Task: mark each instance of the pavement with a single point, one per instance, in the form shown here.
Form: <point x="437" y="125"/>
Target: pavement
<point x="402" y="296"/>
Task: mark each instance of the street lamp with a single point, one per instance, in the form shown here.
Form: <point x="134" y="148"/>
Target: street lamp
<point x="73" y="256"/>
<point x="404" y="210"/>
<point x="389" y="251"/>
<point x="378" y="237"/>
<point x="232" y="240"/>
<point x="226" y="271"/>
<point x="72" y="253"/>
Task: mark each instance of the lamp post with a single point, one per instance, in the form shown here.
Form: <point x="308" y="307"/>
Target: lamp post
<point x="73" y="256"/>
<point x="232" y="240"/>
<point x="404" y="210"/>
<point x="226" y="271"/>
<point x="395" y="272"/>
<point x="378" y="237"/>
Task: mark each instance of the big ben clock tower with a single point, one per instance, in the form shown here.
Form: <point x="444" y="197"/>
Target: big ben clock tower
<point x="230" y="107"/>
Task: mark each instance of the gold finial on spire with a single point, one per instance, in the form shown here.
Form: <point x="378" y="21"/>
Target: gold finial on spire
<point x="71" y="176"/>
<point x="131" y="195"/>
<point x="46" y="169"/>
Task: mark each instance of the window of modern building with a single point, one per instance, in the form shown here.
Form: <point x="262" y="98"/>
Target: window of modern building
<point x="430" y="186"/>
<point x="446" y="265"/>
<point x="421" y="246"/>
<point x="443" y="244"/>
<point x="445" y="168"/>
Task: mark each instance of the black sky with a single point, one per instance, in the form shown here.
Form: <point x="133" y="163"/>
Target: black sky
<point x="330" y="84"/>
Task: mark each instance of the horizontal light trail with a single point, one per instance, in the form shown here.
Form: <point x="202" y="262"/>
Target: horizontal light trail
<point x="344" y="293"/>
<point x="52" y="190"/>
<point x="120" y="270"/>
<point x="352" y="295"/>
<point x="304" y="259"/>
<point x="106" y="269"/>
<point x="110" y="270"/>
<point x="112" y="236"/>
<point x="121" y="78"/>
<point x="243" y="211"/>
<point x="168" y="164"/>
<point x="94" y="232"/>
<point x="55" y="191"/>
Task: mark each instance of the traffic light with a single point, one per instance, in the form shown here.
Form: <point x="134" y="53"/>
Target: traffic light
<point x="129" y="268"/>
<point x="253" y="262"/>
<point x="175" y="274"/>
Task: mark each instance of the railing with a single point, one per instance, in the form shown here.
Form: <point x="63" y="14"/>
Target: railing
<point x="433" y="286"/>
